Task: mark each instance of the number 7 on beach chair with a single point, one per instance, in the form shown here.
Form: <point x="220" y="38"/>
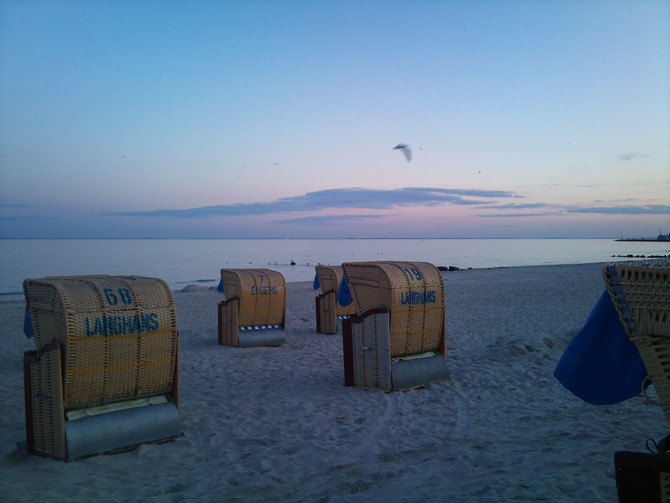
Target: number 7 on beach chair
<point x="396" y="340"/>
<point x="253" y="313"/>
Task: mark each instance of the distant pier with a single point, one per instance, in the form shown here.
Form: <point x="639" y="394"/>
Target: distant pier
<point x="660" y="238"/>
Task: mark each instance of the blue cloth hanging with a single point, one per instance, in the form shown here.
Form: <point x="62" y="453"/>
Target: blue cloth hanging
<point x="317" y="284"/>
<point x="27" y="324"/>
<point x="220" y="288"/>
<point x="601" y="365"/>
<point x="343" y="293"/>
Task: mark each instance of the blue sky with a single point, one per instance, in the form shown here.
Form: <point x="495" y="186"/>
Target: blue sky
<point x="525" y="118"/>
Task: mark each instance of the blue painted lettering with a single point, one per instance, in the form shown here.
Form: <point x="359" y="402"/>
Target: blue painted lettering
<point x="409" y="298"/>
<point x="263" y="290"/>
<point x="109" y="326"/>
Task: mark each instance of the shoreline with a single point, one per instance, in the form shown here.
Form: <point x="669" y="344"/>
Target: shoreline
<point x="445" y="270"/>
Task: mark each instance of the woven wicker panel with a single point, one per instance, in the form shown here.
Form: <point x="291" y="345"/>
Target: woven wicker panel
<point x="228" y="323"/>
<point x="641" y="293"/>
<point x="329" y="278"/>
<point x="372" y="359"/>
<point x="413" y="292"/>
<point x="665" y="487"/>
<point x="46" y="403"/>
<point x="326" y="319"/>
<point x="119" y="334"/>
<point x="262" y="294"/>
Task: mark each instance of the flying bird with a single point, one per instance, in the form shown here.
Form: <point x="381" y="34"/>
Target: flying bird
<point x="405" y="150"/>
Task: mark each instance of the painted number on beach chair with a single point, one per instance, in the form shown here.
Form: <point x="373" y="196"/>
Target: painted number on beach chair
<point x="414" y="274"/>
<point x="113" y="298"/>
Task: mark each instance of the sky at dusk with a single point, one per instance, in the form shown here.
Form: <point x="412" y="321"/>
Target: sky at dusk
<point x="273" y="119"/>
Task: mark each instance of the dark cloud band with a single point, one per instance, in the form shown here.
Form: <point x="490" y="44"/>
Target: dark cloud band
<point x="357" y="198"/>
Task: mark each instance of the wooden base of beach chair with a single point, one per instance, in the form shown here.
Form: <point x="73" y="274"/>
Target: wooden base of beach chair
<point x="231" y="334"/>
<point x="53" y="432"/>
<point x="368" y="363"/>
<point x="642" y="477"/>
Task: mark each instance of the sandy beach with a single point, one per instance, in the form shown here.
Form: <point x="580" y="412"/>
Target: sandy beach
<point x="277" y="424"/>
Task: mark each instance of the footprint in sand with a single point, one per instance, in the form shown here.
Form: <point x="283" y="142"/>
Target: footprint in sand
<point x="380" y="429"/>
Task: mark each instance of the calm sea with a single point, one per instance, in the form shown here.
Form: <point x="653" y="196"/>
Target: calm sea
<point x="183" y="261"/>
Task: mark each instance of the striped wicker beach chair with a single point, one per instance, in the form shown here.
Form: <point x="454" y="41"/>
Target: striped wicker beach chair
<point x="104" y="376"/>
<point x="641" y="294"/>
<point x="640" y="291"/>
<point x="329" y="314"/>
<point x="253" y="313"/>
<point x="396" y="340"/>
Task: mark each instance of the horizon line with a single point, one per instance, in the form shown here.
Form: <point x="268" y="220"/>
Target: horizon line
<point x="313" y="238"/>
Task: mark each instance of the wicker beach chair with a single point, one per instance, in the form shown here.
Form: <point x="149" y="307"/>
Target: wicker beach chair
<point x="254" y="311"/>
<point x="396" y="340"/>
<point x="641" y="294"/>
<point x="104" y="376"/>
<point x="329" y="314"/>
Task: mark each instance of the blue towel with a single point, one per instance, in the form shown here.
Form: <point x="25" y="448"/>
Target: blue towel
<point x="317" y="284"/>
<point x="220" y="288"/>
<point x="343" y="293"/>
<point x="601" y="365"/>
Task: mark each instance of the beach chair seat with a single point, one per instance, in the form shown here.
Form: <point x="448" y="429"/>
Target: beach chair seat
<point x="253" y="313"/>
<point x="396" y="339"/>
<point x="329" y="313"/>
<point x="640" y="291"/>
<point x="104" y="376"/>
